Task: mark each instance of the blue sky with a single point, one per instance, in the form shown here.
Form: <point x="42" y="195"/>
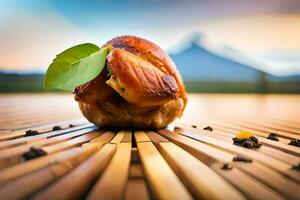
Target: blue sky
<point x="262" y="33"/>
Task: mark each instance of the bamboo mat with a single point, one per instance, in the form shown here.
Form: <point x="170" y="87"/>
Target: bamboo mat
<point x="49" y="151"/>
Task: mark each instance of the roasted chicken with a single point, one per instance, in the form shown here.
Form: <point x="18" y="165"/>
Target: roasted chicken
<point x="139" y="88"/>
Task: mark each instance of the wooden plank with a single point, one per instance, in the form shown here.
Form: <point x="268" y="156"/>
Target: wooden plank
<point x="41" y="178"/>
<point x="122" y="136"/>
<point x="41" y="129"/>
<point x="45" y="109"/>
<point x="261" y="123"/>
<point x="112" y="183"/>
<point x="211" y="157"/>
<point x="141" y="136"/>
<point x="127" y="137"/>
<point x="21" y="169"/>
<point x="282" y="145"/>
<point x="253" y="189"/>
<point x="156" y="138"/>
<point x="136" y="189"/>
<point x="105" y="137"/>
<point x="201" y="181"/>
<point x="233" y="129"/>
<point x="288" y="158"/>
<point x="136" y="171"/>
<point x="158" y="173"/>
<point x="78" y="182"/>
<point x="269" y="161"/>
<point x="283" y="122"/>
<point x="72" y="143"/>
<point x="12" y="155"/>
<point x="23" y="140"/>
<point x="268" y="130"/>
<point x="288" y="188"/>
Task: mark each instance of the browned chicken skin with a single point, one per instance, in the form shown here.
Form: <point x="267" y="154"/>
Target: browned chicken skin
<point x="138" y="81"/>
<point x="142" y="89"/>
<point x="95" y="90"/>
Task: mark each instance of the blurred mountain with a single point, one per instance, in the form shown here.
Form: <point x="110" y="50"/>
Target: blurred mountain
<point x="13" y="82"/>
<point x="195" y="63"/>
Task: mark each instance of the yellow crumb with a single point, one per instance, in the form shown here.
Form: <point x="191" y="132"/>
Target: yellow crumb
<point x="243" y="135"/>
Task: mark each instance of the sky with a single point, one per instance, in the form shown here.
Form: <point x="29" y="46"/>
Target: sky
<point x="262" y="33"/>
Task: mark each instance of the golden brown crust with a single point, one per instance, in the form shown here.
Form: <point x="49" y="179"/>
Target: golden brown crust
<point x="145" y="89"/>
<point x="153" y="54"/>
<point x="116" y="112"/>
<point x="138" y="81"/>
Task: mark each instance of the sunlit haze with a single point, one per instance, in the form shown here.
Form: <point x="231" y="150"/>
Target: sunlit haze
<point x="261" y="33"/>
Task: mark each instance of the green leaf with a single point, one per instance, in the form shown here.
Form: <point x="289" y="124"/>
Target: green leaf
<point x="75" y="66"/>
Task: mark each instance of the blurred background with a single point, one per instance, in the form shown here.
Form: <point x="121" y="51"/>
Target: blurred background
<point x="219" y="46"/>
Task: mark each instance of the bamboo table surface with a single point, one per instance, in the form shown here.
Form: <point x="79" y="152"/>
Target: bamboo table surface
<point x="181" y="161"/>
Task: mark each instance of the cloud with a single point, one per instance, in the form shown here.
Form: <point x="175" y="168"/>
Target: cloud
<point x="267" y="42"/>
<point x="32" y="41"/>
<point x="289" y="56"/>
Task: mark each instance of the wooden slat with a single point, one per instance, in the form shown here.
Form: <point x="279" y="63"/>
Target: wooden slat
<point x="41" y="129"/>
<point x="72" y="143"/>
<point x="261" y="123"/>
<point x="136" y="189"/>
<point x="253" y="189"/>
<point x="235" y="128"/>
<point x="156" y="138"/>
<point x="158" y="173"/>
<point x="214" y="157"/>
<point x="23" y="140"/>
<point x="285" y="186"/>
<point x="122" y="136"/>
<point x="280" y="155"/>
<point x="269" y="161"/>
<point x="12" y="155"/>
<point x="35" y="164"/>
<point x="46" y="108"/>
<point x="282" y="145"/>
<point x="141" y="136"/>
<point x="283" y="122"/>
<point x="112" y="183"/>
<point x="77" y="183"/>
<point x="268" y="130"/>
<point x="203" y="182"/>
<point x="41" y="178"/>
<point x="105" y="137"/>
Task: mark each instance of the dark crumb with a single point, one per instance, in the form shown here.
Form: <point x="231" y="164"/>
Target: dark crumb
<point x="226" y="166"/>
<point x="71" y="125"/>
<point x="253" y="139"/>
<point x="295" y="142"/>
<point x="194" y="126"/>
<point x="56" y="128"/>
<point x="31" y="133"/>
<point x="297" y="167"/>
<point x="208" y="128"/>
<point x="236" y="141"/>
<point x="250" y="143"/>
<point x="241" y="158"/>
<point x="273" y="136"/>
<point x="33" y="153"/>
